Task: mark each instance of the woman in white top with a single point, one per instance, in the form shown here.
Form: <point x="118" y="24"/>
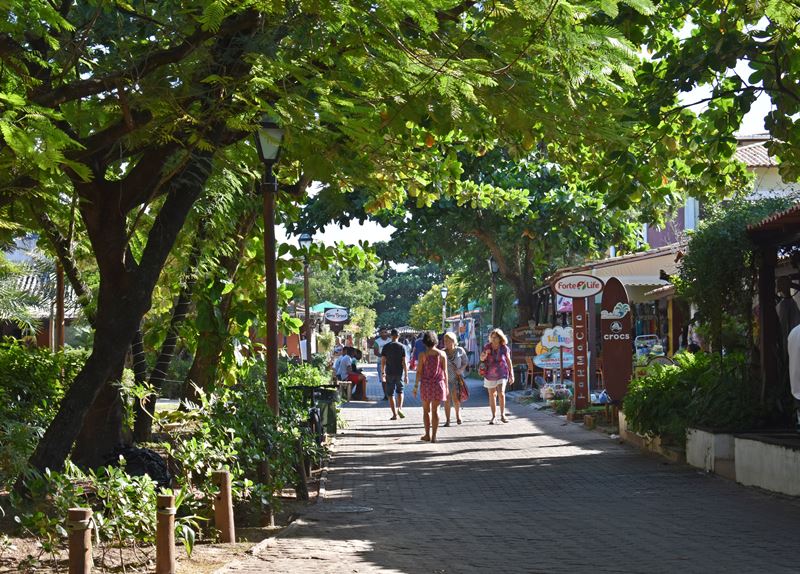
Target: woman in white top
<point x="456" y="365"/>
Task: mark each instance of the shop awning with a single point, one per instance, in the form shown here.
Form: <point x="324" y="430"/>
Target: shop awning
<point x="643" y="269"/>
<point x="320" y="307"/>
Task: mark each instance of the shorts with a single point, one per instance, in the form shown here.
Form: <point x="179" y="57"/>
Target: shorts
<point x="494" y="384"/>
<point x="354" y="377"/>
<point x="394" y="384"/>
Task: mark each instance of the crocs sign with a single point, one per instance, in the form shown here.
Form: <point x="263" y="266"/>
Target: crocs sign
<point x="578" y="286"/>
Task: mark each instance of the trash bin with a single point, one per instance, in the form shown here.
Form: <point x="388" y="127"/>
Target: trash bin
<point x="327" y="409"/>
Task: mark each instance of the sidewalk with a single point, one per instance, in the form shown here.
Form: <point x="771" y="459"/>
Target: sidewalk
<point x="534" y="495"/>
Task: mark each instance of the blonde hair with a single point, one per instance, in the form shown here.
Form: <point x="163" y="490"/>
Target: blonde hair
<point x="500" y="334"/>
<point x="452" y="336"/>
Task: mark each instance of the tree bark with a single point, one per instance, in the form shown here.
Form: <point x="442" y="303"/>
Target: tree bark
<point x="123" y="299"/>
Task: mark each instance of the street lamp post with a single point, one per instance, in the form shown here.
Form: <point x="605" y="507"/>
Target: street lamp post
<point x="494" y="268"/>
<point x="268" y="142"/>
<point x="444" y="308"/>
<point x="305" y="242"/>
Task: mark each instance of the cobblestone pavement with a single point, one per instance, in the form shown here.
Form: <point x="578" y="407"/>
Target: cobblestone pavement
<point x="534" y="495"/>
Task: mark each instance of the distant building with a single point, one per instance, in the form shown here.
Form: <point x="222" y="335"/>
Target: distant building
<point x="767" y="182"/>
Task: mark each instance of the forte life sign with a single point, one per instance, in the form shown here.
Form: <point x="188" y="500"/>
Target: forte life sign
<point x="582" y="289"/>
<point x="578" y="286"/>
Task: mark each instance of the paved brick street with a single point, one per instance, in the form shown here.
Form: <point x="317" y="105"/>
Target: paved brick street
<point x="533" y="495"/>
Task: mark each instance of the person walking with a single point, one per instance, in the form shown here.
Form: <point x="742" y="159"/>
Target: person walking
<point x="456" y="365"/>
<point x="377" y="348"/>
<point x="497" y="357"/>
<point x="394" y="373"/>
<point x="432" y="378"/>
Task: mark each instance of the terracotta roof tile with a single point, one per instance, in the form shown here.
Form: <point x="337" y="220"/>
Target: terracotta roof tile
<point x="755" y="155"/>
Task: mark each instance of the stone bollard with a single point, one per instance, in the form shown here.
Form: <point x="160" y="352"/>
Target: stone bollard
<point x="223" y="506"/>
<point x="165" y="534"/>
<point x="588" y="421"/>
<point x="79" y="526"/>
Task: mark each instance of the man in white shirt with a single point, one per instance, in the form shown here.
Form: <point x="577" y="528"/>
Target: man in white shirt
<point x="793" y="347"/>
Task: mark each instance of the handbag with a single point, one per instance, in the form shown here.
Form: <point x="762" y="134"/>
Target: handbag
<point x="463" y="390"/>
<point x="482" y="368"/>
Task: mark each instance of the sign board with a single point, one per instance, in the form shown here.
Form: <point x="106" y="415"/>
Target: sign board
<point x="336" y="318"/>
<point x="557" y="337"/>
<point x="580" y="325"/>
<point x="524" y="341"/>
<point x="552" y="360"/>
<point x="578" y="286"/>
<point x="616" y="326"/>
<point x="337" y="315"/>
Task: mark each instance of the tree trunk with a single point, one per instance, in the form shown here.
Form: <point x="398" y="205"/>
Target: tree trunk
<point x="102" y="430"/>
<point x="123" y="299"/>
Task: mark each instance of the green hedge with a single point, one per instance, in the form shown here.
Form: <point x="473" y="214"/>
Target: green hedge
<point x="701" y="390"/>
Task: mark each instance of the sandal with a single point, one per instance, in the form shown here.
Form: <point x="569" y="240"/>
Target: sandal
<point x="504" y="419"/>
<point x="491" y="422"/>
<point x="447" y="424"/>
<point x="425" y="438"/>
<point x="458" y="421"/>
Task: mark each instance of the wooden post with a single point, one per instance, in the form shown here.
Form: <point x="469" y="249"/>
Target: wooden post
<point x="301" y="488"/>
<point x="768" y="320"/>
<point x="165" y="534"/>
<point x="79" y="526"/>
<point x="265" y="477"/>
<point x="223" y="507"/>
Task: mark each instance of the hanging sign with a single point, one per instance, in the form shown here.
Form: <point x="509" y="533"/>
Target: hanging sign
<point x="578" y="286"/>
<point x="335" y="315"/>
<point x="336" y="318"/>
<point x="616" y="326"/>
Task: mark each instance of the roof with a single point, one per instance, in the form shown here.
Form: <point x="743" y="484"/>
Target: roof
<point x="755" y="154"/>
<point x="781" y="228"/>
<point x="642" y="268"/>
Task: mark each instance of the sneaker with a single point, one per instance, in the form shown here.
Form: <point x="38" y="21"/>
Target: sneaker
<point x="401" y="415"/>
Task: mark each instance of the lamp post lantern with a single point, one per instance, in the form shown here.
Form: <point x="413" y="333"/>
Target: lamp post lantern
<point x="444" y="308"/>
<point x="268" y="142"/>
<point x="305" y="240"/>
<point x="494" y="269"/>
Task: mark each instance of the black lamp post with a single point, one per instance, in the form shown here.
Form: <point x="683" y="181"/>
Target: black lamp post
<point x="444" y="308"/>
<point x="494" y="269"/>
<point x="305" y="240"/>
<point x="268" y="141"/>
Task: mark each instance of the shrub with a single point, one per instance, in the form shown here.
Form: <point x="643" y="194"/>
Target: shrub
<point x="701" y="390"/>
<point x="32" y="383"/>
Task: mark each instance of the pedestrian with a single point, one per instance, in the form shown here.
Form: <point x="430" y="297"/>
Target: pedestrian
<point x="382" y="340"/>
<point x="456" y="365"/>
<point x="496" y="356"/>
<point x="347" y="371"/>
<point x="432" y="377"/>
<point x="394" y="373"/>
<point x="419" y="347"/>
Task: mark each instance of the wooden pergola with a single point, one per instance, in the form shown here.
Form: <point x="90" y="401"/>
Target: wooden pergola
<point x="777" y="235"/>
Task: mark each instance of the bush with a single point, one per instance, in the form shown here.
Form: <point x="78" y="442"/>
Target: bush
<point x="701" y="390"/>
<point x="32" y="383"/>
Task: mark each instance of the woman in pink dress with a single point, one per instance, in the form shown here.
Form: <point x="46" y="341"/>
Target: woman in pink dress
<point x="432" y="377"/>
